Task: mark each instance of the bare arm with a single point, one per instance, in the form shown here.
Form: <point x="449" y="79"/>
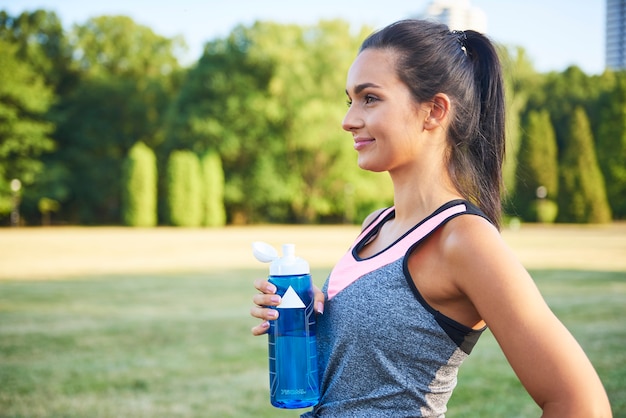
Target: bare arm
<point x="545" y="356"/>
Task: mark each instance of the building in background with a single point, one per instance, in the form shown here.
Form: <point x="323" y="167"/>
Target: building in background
<point x="616" y="34"/>
<point x="457" y="14"/>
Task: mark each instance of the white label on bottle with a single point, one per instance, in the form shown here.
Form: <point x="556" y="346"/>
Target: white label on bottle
<point x="291" y="300"/>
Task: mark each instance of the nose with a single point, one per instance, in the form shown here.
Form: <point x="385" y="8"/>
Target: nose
<point x="351" y="121"/>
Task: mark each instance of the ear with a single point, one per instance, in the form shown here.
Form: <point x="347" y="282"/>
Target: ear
<point x="437" y="111"/>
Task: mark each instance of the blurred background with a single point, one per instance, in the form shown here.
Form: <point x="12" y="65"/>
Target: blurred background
<point x="205" y="113"/>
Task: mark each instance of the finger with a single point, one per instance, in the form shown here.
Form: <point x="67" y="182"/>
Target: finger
<point x="263" y="313"/>
<point x="261" y="328"/>
<point x="264" y="286"/>
<point x="266" y="314"/>
<point x="261" y="299"/>
<point x="319" y="299"/>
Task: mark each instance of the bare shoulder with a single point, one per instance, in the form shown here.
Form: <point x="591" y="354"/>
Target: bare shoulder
<point x="469" y="235"/>
<point x="478" y="257"/>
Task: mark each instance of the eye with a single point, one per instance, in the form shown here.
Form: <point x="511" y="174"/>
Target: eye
<point x="369" y="99"/>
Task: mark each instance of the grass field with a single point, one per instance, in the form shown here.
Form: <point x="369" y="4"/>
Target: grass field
<point x="114" y="322"/>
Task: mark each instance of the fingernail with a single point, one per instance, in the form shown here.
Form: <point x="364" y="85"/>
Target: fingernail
<point x="275" y="299"/>
<point x="271" y="288"/>
<point x="272" y="314"/>
<point x="320" y="308"/>
<point x="265" y="324"/>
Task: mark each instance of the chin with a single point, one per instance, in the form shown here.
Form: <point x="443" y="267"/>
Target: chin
<point x="364" y="165"/>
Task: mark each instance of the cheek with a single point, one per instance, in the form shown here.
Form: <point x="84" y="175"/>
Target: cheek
<point x="404" y="127"/>
<point x="413" y="124"/>
<point x="387" y="123"/>
<point x="400" y="125"/>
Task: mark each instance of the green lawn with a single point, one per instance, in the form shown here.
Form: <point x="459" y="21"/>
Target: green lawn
<point x="179" y="345"/>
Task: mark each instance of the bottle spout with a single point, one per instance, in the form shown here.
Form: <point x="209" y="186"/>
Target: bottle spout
<point x="289" y="251"/>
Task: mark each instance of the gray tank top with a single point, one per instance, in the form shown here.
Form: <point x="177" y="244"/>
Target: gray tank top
<point x="382" y="350"/>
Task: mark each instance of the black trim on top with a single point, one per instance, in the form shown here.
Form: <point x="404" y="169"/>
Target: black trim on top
<point x="463" y="336"/>
<point x="371" y="234"/>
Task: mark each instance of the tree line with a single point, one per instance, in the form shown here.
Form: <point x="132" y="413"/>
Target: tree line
<point x="101" y="125"/>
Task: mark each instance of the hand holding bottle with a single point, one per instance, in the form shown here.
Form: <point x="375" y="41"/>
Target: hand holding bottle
<point x="267" y="298"/>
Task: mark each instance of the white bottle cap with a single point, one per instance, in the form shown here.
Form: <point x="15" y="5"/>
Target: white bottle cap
<point x="287" y="265"/>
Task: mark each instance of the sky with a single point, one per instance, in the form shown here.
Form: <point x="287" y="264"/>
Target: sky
<point x="554" y="33"/>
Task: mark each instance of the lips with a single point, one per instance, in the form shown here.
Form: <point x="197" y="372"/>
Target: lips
<point x="360" y="143"/>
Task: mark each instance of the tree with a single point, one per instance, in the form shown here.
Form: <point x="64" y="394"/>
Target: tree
<point x="139" y="187"/>
<point x="126" y="78"/>
<point x="213" y="185"/>
<point x="520" y="80"/>
<point x="269" y="99"/>
<point x="41" y="42"/>
<point x="24" y="132"/>
<point x="582" y="193"/>
<point x="611" y="139"/>
<point x="537" y="164"/>
<point x="561" y="94"/>
<point x="117" y="46"/>
<point x="221" y="106"/>
<point x="184" y="189"/>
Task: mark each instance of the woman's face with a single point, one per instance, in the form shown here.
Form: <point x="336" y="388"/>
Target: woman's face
<point x="383" y="117"/>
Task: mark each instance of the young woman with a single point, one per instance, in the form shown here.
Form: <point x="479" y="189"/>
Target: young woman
<point x="404" y="307"/>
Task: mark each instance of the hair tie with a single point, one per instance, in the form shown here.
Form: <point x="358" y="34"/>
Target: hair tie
<point x="461" y="38"/>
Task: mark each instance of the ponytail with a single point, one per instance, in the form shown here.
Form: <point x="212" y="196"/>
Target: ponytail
<point x="488" y="146"/>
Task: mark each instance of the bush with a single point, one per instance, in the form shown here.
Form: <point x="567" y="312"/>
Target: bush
<point x="537" y="163"/>
<point x="213" y="181"/>
<point x="184" y="189"/>
<point x="582" y="192"/>
<point x="139" y="187"/>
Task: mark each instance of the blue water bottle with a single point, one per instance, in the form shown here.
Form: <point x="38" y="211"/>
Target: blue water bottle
<point x="291" y="337"/>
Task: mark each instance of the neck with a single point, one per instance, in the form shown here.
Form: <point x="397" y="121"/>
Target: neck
<point x="418" y="194"/>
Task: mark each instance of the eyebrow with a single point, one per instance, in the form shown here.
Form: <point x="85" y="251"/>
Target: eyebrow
<point x="360" y="87"/>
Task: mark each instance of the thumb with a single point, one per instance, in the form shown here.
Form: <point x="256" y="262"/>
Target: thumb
<point x="318" y="297"/>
